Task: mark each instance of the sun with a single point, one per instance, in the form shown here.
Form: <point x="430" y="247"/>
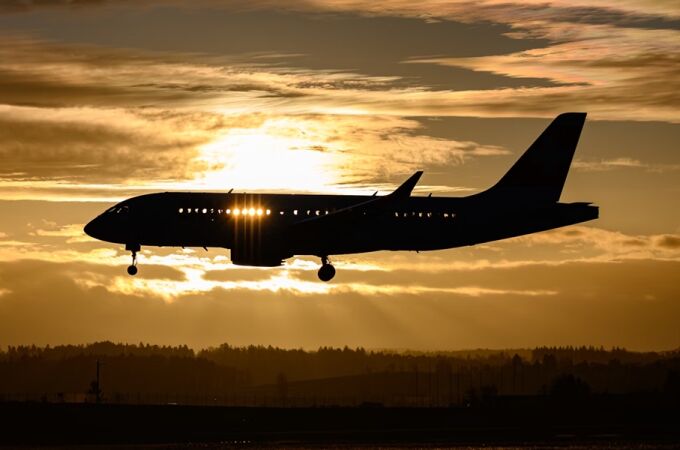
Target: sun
<point x="279" y="155"/>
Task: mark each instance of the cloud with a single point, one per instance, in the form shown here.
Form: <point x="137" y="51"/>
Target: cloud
<point x="611" y="245"/>
<point x="669" y="241"/>
<point x="98" y="145"/>
<point x="622" y="163"/>
<point x="607" y="164"/>
<point x="628" y="12"/>
<point x="14" y="6"/>
<point x="497" y="308"/>
<point x="320" y="151"/>
<point x="38" y="72"/>
<point x="72" y="232"/>
<point x="614" y="73"/>
<point x="645" y="13"/>
<point x="89" y="152"/>
<point x="208" y="125"/>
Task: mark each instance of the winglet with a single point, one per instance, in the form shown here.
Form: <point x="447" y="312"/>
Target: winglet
<point x="406" y="188"/>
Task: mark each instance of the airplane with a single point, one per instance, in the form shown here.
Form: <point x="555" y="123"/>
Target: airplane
<point x="266" y="229"/>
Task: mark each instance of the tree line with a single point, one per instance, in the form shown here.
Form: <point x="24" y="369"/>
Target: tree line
<point x="253" y="375"/>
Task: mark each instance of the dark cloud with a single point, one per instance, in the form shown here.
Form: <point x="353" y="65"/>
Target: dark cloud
<point x="30" y="5"/>
<point x="634" y="243"/>
<point x="25" y="89"/>
<point x="604" y="14"/>
<point x="517" y="13"/>
<point x="34" y="72"/>
<point x="669" y="241"/>
<point x="265" y="89"/>
<point x="86" y="151"/>
<point x="372" y="46"/>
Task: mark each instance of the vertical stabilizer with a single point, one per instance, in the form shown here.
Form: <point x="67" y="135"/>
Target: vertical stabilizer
<point x="539" y="175"/>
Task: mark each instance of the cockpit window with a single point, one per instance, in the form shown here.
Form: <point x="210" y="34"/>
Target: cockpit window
<point x="119" y="210"/>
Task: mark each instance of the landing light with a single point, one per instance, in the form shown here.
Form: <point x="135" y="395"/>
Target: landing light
<point x="251" y="212"/>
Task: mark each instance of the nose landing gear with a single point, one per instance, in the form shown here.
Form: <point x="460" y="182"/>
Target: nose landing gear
<point x="134" y="248"/>
<point x="327" y="271"/>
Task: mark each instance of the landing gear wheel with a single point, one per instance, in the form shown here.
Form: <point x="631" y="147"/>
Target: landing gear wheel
<point x="132" y="268"/>
<point x="327" y="271"/>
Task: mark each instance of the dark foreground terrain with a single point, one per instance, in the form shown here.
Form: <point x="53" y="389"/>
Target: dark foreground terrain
<point x="619" y="421"/>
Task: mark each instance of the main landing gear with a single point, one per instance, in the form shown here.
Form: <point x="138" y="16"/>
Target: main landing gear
<point x="134" y="248"/>
<point x="327" y="271"/>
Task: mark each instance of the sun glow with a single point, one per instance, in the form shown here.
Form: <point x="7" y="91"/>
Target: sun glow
<point x="273" y="157"/>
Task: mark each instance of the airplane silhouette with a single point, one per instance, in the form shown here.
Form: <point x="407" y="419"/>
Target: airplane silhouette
<point x="265" y="229"/>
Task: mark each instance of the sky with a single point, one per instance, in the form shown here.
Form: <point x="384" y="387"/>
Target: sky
<point x="102" y="100"/>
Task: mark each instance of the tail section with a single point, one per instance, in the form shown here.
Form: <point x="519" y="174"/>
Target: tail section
<point x="539" y="175"/>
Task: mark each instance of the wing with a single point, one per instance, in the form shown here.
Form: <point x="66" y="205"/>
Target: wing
<point x="372" y="206"/>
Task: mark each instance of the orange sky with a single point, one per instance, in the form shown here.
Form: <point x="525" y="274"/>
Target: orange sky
<point x="101" y="100"/>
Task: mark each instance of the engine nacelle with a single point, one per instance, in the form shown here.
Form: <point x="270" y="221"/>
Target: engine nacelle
<point x="251" y="257"/>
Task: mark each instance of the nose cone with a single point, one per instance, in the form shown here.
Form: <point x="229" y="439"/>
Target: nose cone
<point x="94" y="229"/>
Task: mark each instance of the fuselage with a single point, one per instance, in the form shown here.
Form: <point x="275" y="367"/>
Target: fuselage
<point x="283" y="225"/>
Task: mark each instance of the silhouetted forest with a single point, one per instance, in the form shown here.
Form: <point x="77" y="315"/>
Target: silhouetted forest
<point x="270" y="376"/>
